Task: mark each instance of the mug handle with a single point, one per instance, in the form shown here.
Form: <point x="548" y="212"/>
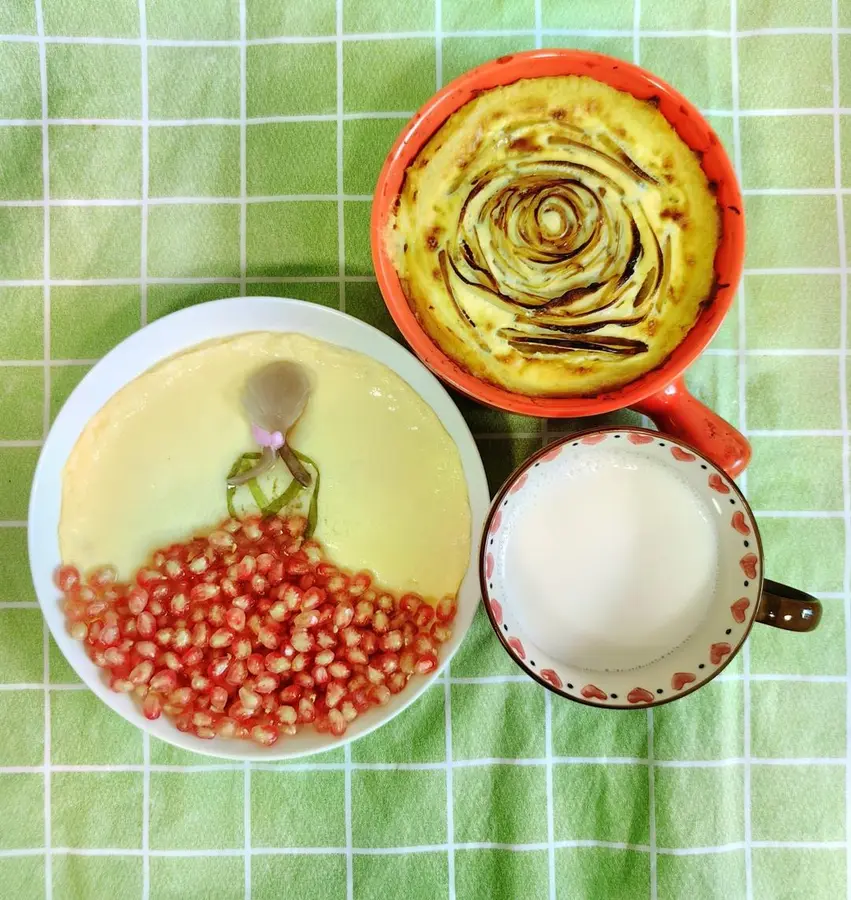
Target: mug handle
<point x="788" y="608"/>
<point x="677" y="412"/>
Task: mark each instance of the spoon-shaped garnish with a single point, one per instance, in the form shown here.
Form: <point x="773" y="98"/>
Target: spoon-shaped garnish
<point x="274" y="398"/>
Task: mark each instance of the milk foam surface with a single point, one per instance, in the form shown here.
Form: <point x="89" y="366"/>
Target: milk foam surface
<point x="609" y="559"/>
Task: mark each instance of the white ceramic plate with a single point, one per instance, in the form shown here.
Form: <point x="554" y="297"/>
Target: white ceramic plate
<point x="162" y="339"/>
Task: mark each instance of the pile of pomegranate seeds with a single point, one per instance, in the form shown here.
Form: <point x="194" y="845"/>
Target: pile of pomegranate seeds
<point x="249" y="633"/>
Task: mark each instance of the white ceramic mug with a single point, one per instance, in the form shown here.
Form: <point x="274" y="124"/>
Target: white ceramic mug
<point x="739" y="597"/>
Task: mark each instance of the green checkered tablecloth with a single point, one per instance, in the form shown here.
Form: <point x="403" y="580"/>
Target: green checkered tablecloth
<point x="160" y="153"/>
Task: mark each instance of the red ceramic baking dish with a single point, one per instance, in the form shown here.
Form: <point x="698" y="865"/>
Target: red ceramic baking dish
<point x="660" y="394"/>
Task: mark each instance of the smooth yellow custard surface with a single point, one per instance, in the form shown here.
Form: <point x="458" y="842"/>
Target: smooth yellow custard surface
<point x="150" y="467"/>
<point x="556" y="237"/>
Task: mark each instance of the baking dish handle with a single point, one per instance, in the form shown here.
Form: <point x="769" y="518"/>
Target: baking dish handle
<point x="677" y="412"/>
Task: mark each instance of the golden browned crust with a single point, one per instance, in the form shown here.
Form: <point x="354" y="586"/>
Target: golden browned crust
<point x="556" y="237"/>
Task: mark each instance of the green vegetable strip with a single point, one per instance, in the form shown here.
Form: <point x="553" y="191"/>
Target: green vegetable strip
<point x="278" y="503"/>
<point x="313" y="512"/>
<point x="272" y="507"/>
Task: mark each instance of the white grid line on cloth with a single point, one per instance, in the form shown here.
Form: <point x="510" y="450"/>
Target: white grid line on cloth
<point x="447" y="685"/>
<point x="45" y="636"/>
<point x="482" y="762"/>
<point x="742" y="392"/>
<point x="793" y="112"/>
<point x="143" y="320"/>
<point x="145" y="201"/>
<point x="243" y="270"/>
<point x="548" y="749"/>
<point x="341" y="271"/>
<point x="408" y="35"/>
<point x="146" y="164"/>
<point x="539" y="40"/>
<point x="843" y="397"/>
<point x="426" y="848"/>
<point x="515" y="679"/>
<point x="304" y="279"/>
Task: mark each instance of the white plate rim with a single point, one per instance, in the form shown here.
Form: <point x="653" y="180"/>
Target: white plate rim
<point x="162" y="339"/>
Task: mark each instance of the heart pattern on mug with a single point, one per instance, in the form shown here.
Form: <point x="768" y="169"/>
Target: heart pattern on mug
<point x="551" y="676"/>
<point x="717" y="652"/>
<point x="681" y="679"/>
<point x="592" y="439"/>
<point x="682" y="455"/>
<point x="638" y="437"/>
<point x="738" y="609"/>
<point x="551" y="454"/>
<point x="519" y="483"/>
<point x="489" y="565"/>
<point x="748" y="563"/>
<point x="517" y="647"/>
<point x="639" y="695"/>
<point x="592" y="692"/>
<point x="496" y="609"/>
<point x="740" y="523"/>
<point x="496" y="521"/>
<point x="717" y="483"/>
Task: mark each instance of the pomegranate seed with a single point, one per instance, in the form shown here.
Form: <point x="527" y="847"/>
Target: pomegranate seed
<point x="202" y="720"/>
<point x="137" y="599"/>
<point x="182" y="638"/>
<point x="375" y="676"/>
<point x="221" y="541"/>
<point x="236" y="673"/>
<point x="181" y="697"/>
<point x="339" y="670"/>
<point x="299" y="662"/>
<point x="425" y="664"/>
<point x="343" y="614"/>
<point x="242" y="648"/>
<point x="363" y="612"/>
<point x="199" y="565"/>
<point x="265" y="735"/>
<point x="351" y="636"/>
<point x="221" y="638"/>
<point x="249" y="699"/>
<point x="423" y="616"/>
<point x="172" y="661"/>
<point x="152" y="707"/>
<point x="109" y="634"/>
<point x="265" y="684"/>
<point x="337" y="722"/>
<point x="379" y="695"/>
<point x="407" y="662"/>
<point x="200" y="635"/>
<point x="146" y="649"/>
<point x="78" y="630"/>
<point x="277" y="663"/>
<point x="410" y="603"/>
<point x="380" y="622"/>
<point x="441" y="633"/>
<point x="216" y="615"/>
<point x="67" y="578"/>
<point x="396" y="682"/>
<point x="192" y="657"/>
<point x="287" y="715"/>
<point x="164" y="681"/>
<point x="173" y="568"/>
<point x="226" y="728"/>
<point x="146" y="624"/>
<point x="164" y="636"/>
<point x="268" y="638"/>
<point x="357" y="657"/>
<point x="423" y="644"/>
<point x="347" y="708"/>
<point x="245" y="568"/>
<point x="302" y="641"/>
<point x="200" y="683"/>
<point x="325" y="640"/>
<point x="96" y="608"/>
<point x="243" y="602"/>
<point x="255" y="664"/>
<point x="445" y="610"/>
<point x="238" y="711"/>
<point x="320" y="675"/>
<point x="290" y="693"/>
<point x="324" y="657"/>
<point x="306" y="619"/>
<point x="142" y="672"/>
<point x="334" y="693"/>
<point x="114" y="657"/>
<point x="201" y="593"/>
<point x="218" y="667"/>
<point x="147" y="577"/>
<point x="218" y="699"/>
<point x="278" y="611"/>
<point x="391" y="641"/>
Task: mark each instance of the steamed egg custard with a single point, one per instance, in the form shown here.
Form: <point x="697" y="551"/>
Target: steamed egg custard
<point x="149" y="469"/>
<point x="556" y="237"/>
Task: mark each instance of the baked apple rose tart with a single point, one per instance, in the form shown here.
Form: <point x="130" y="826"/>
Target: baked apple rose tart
<point x="556" y="237"/>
